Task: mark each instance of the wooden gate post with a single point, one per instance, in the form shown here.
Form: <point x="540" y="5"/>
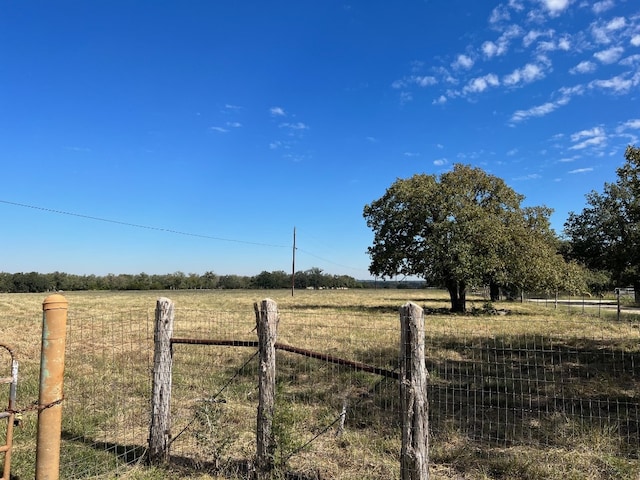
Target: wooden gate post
<point x="414" y="456"/>
<point x="267" y="326"/>
<point x="160" y="429"/>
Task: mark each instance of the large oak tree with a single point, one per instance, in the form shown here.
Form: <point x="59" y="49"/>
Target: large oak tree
<point x="464" y="228"/>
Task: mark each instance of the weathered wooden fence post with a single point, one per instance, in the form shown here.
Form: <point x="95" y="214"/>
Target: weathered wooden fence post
<point x="160" y="429"/>
<point x="267" y="326"/>
<point x="54" y="334"/>
<point x="414" y="455"/>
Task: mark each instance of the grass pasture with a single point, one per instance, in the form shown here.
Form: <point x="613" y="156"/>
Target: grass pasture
<point x="531" y="392"/>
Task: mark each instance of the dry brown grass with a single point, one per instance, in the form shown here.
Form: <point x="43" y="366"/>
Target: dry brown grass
<point x="591" y="358"/>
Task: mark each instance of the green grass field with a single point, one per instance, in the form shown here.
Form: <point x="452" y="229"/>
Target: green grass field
<point x="531" y="392"/>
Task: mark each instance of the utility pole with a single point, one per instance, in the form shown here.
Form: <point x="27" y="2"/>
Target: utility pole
<point x="293" y="263"/>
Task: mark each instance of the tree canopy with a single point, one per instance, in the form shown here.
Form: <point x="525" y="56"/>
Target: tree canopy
<point x="606" y="234"/>
<point x="464" y="228"/>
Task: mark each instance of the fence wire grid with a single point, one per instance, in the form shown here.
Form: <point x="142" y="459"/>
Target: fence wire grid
<point x="502" y="380"/>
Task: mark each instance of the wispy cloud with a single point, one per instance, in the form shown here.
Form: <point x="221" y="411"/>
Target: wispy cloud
<point x="565" y="95"/>
<point x="555" y="7"/>
<point x="602" y="6"/>
<point x="585" y="66"/>
<point x="633" y="124"/>
<point x="421" y="81"/>
<point x="480" y="84"/>
<point x="440" y="162"/>
<point x="463" y="62"/>
<point x="617" y="85"/>
<point x="501" y="46"/>
<point x="595" y="137"/>
<point x="610" y="55"/>
<point x="219" y="129"/>
<point x="441" y="100"/>
<point x="277" y="112"/>
<point x="527" y="74"/>
<point x="603" y="31"/>
<point x="294" y="126"/>
<point x="581" y="170"/>
<point x="530" y="176"/>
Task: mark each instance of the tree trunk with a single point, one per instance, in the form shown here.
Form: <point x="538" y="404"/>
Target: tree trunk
<point x="458" y="294"/>
<point x="636" y="291"/>
<point x="494" y="291"/>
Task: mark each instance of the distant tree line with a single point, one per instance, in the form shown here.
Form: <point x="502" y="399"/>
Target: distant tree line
<point x="34" y="282"/>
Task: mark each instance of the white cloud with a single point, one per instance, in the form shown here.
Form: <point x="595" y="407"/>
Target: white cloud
<point x="631" y="124"/>
<point x="555" y="7"/>
<point x="595" y="137"/>
<point x="584" y="67"/>
<point x="610" y="55"/>
<point x="411" y="154"/>
<point x="617" y="84"/>
<point x="421" y="81"/>
<point x="277" y="112"/>
<point x="581" y="170"/>
<point x="527" y="74"/>
<point x="630" y="60"/>
<point x="564" y="43"/>
<point x="294" y="126"/>
<point x="602" y="32"/>
<point x="219" y="129"/>
<point x="537" y="111"/>
<point x="501" y="45"/>
<point x="499" y="14"/>
<point x="490" y="49"/>
<point x="440" y="162"/>
<point x="533" y="35"/>
<point x="635" y="40"/>
<point x="441" y="100"/>
<point x="480" y="84"/>
<point x="594" y="132"/>
<point x="424" y="81"/>
<point x="566" y="93"/>
<point x="602" y="6"/>
<point x="531" y="176"/>
<point x="234" y="124"/>
<point x="616" y="24"/>
<point x="463" y="61"/>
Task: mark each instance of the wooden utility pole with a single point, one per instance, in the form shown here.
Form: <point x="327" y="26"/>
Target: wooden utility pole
<point x="293" y="267"/>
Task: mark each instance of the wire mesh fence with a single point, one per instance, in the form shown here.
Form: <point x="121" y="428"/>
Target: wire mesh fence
<point x="328" y="417"/>
<point x="504" y="380"/>
<point x="107" y="390"/>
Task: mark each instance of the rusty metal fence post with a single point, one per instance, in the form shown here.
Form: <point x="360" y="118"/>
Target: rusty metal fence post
<point x="54" y="331"/>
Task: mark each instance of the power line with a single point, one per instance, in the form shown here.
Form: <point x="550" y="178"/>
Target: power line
<point x="136" y="225"/>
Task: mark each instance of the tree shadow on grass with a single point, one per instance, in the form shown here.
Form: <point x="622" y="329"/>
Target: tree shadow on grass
<point x="178" y="464"/>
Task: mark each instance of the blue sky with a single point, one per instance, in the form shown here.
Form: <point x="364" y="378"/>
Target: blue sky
<point x="204" y="131"/>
